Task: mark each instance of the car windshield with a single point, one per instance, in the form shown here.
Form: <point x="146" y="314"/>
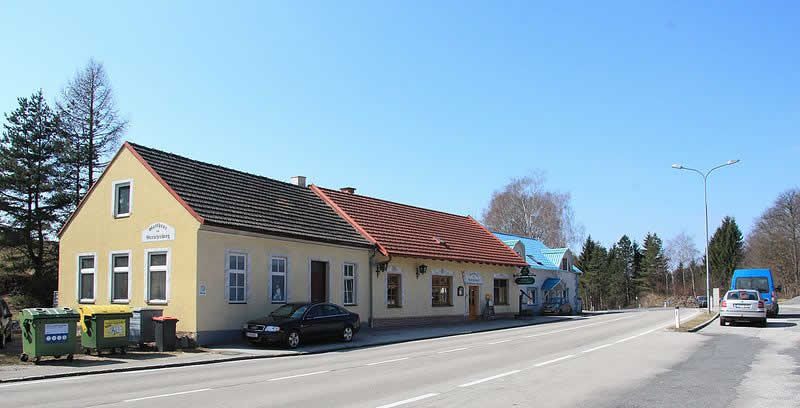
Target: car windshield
<point x="293" y="311"/>
<point x="760" y="284"/>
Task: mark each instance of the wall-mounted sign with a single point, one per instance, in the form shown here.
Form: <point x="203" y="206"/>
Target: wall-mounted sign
<point x="525" y="280"/>
<point x="158" y="232"/>
<point x="473" y="278"/>
<point x="203" y="289"/>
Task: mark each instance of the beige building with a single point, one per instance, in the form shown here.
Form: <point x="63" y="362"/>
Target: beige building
<point x="211" y="246"/>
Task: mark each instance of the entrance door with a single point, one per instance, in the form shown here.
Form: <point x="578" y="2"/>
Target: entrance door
<point x="474" y="306"/>
<point x="319" y="284"/>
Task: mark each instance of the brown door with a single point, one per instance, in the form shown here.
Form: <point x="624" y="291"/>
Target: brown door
<point x="473" y="303"/>
<point x="318" y="281"/>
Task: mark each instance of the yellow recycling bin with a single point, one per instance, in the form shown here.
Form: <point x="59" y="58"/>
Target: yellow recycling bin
<point x="105" y="327"/>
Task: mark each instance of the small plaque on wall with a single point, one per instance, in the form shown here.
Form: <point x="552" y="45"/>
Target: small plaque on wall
<point x="158" y="231"/>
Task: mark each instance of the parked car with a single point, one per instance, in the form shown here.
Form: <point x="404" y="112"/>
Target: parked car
<point x="742" y="306"/>
<point x="294" y="323"/>
<point x="702" y="301"/>
<point x="5" y="323"/>
<point x="760" y="280"/>
<point x="557" y="305"/>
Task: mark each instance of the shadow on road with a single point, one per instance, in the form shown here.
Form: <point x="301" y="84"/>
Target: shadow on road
<point x="774" y="325"/>
<point x="789" y="316"/>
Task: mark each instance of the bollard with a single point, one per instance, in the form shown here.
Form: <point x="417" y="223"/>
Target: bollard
<point x="677" y="318"/>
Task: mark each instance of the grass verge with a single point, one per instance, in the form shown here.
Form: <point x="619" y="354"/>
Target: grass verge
<point x="696" y="321"/>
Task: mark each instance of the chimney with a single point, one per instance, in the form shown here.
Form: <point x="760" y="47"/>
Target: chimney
<point x="348" y="190"/>
<point x="299" y="181"/>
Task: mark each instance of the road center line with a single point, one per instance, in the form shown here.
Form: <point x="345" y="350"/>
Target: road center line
<point x="500" y="341"/>
<point x="407" y="401"/>
<point x="452" y="350"/>
<point x="597" y="348"/>
<point x="387" y="361"/>
<point x="494" y="377"/>
<point x="553" y="360"/>
<point x="576" y="328"/>
<point x="299" y="375"/>
<point x="167" y="395"/>
<point x="635" y="336"/>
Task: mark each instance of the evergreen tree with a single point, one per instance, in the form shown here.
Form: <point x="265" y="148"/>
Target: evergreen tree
<point x="654" y="264"/>
<point x="726" y="251"/>
<point x="625" y="251"/>
<point x="32" y="199"/>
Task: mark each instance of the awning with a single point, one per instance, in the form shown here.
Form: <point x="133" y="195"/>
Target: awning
<point x="550" y="283"/>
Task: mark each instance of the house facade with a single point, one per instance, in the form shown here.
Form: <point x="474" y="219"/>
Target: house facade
<point x="211" y="246"/>
<point x="554" y="268"/>
<point x="429" y="266"/>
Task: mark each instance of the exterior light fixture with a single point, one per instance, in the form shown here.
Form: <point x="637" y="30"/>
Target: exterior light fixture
<point x="421" y="269"/>
<point x="381" y="267"/>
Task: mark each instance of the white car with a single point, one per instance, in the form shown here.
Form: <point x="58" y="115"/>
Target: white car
<point x="742" y="306"/>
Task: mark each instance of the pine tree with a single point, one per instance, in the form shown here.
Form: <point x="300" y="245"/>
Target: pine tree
<point x="726" y="251"/>
<point x="32" y="198"/>
<point x="654" y="264"/>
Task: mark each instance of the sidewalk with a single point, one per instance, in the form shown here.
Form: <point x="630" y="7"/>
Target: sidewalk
<point x="140" y="360"/>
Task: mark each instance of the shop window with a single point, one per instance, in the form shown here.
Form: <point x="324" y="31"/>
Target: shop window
<point x="86" y="280"/>
<point x="277" y="278"/>
<point x="349" y="276"/>
<point x="123" y="198"/>
<point x="441" y="290"/>
<point x="393" y="290"/>
<point x="157" y="276"/>
<point x="236" y="275"/>
<point x="501" y="291"/>
<point x="120" y="273"/>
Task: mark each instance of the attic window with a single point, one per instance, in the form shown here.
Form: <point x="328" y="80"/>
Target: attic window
<point x="440" y="241"/>
<point x="122" y="199"/>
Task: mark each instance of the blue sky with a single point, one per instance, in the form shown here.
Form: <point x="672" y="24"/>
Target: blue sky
<point x="438" y="104"/>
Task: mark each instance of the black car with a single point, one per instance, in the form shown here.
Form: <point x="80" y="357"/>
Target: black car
<point x="294" y="322"/>
<point x="702" y="301"/>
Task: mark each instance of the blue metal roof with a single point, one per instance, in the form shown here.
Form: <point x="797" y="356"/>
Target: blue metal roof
<point x="550" y="283"/>
<point x="537" y="254"/>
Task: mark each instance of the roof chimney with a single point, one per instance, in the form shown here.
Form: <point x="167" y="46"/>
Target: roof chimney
<point x="299" y="181"/>
<point x="348" y="190"/>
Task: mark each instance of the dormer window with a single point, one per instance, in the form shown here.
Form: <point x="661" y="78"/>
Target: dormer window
<point x="123" y="198"/>
<point x="565" y="263"/>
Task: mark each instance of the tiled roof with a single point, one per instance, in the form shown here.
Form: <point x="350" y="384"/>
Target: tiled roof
<point x="234" y="199"/>
<point x="538" y="255"/>
<point x="404" y="230"/>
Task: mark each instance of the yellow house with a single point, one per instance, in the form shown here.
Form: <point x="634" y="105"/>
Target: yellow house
<point x="211" y="246"/>
<point x="431" y="266"/>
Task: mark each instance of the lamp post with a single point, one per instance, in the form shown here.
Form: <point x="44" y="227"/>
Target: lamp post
<point x="705" y="198"/>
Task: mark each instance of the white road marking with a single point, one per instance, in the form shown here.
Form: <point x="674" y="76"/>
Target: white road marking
<point x="299" y="375"/>
<point x="635" y="336"/>
<point x="452" y="350"/>
<point x="494" y="377"/>
<point x="17" y="384"/>
<point x="553" y="360"/>
<point x="406" y="401"/>
<point x="578" y="327"/>
<point x="387" y="361"/>
<point x="167" y="395"/>
<point x="500" y="341"/>
<point x="597" y="348"/>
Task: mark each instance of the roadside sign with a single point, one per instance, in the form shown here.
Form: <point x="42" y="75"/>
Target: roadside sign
<point x="525" y="280"/>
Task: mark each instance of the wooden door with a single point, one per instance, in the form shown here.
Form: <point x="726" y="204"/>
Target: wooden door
<point x="319" y="284"/>
<point x="474" y="306"/>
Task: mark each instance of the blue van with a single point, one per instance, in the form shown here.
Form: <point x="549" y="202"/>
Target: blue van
<point x="760" y="280"/>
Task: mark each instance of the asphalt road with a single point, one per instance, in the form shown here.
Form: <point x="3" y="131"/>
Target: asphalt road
<point x="609" y="360"/>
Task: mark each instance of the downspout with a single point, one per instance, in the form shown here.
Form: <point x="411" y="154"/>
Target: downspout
<point x="373" y="264"/>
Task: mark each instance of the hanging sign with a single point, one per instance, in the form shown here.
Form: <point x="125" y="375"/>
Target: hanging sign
<point x="158" y="232"/>
<point x="473" y="278"/>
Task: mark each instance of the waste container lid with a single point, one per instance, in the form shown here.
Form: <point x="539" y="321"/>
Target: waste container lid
<point x="165" y="318"/>
<point x="89" y="310"/>
<point x="48" y="313"/>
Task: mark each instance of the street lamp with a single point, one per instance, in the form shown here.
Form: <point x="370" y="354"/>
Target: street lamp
<point x="705" y="198"/>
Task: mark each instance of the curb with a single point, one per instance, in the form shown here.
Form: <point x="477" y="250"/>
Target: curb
<point x="345" y="346"/>
<point x="703" y="325"/>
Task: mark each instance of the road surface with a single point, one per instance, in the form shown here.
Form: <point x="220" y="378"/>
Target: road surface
<point x="624" y="359"/>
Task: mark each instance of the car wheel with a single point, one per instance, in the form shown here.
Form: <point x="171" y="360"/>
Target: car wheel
<point x="347" y="334"/>
<point x="293" y="339"/>
<point x="764" y="323"/>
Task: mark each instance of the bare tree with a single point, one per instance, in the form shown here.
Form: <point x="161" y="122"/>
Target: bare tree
<point x="682" y="251"/>
<point x="524" y="207"/>
<point x="775" y="240"/>
<point x="91" y="122"/>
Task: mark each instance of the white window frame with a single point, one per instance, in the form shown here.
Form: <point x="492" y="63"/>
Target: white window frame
<point x="399" y="292"/>
<point x="115" y="188"/>
<point x="285" y="275"/>
<point x="81" y="272"/>
<point x="354" y="278"/>
<point x="112" y="270"/>
<point x="168" y="268"/>
<point x="228" y="271"/>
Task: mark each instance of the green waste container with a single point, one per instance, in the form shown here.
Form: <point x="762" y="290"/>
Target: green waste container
<point x="105" y="328"/>
<point x="48" y="332"/>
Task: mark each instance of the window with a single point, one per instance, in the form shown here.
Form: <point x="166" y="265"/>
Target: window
<point x="157" y="276"/>
<point x="349" y="275"/>
<point x="393" y="290"/>
<point x="760" y="284"/>
<point x="86" y="278"/>
<point x="277" y="276"/>
<point x="120" y="264"/>
<point x="440" y="290"/>
<point x="565" y="264"/>
<point x="501" y="291"/>
<point x="237" y="277"/>
<point x="122" y="198"/>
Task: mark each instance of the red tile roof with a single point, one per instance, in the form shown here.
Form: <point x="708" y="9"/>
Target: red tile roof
<point x="404" y="230"/>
